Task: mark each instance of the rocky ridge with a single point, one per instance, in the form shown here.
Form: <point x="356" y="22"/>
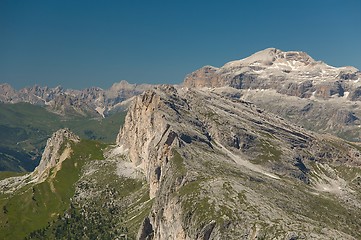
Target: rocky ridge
<point x="58" y="148"/>
<point x="79" y="184"/>
<point x="264" y="176"/>
<point x="91" y="101"/>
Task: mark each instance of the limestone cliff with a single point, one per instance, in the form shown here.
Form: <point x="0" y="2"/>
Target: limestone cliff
<point x="58" y="148"/>
<point x="220" y="168"/>
<point x="148" y="134"/>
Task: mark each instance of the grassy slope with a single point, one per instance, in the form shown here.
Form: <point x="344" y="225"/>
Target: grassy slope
<point x="33" y="206"/>
<point x="24" y="129"/>
<point x="114" y="206"/>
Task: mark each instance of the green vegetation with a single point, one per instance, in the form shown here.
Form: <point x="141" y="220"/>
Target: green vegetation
<point x="24" y="129"/>
<point x="355" y="145"/>
<point x="267" y="152"/>
<point x="113" y="206"/>
<point x="49" y="210"/>
<point x="106" y="221"/>
<point x="348" y="173"/>
<point x="33" y="206"/>
<point x="326" y="209"/>
<point x="196" y="203"/>
<point x="99" y="205"/>
<point x="178" y="163"/>
<point x="4" y="175"/>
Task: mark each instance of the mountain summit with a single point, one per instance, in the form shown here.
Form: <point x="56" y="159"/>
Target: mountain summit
<point x="292" y="73"/>
<point x="275" y="56"/>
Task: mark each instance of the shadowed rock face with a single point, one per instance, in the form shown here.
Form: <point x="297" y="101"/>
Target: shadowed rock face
<point x="221" y="168"/>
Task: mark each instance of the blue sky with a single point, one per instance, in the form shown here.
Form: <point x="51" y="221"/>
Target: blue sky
<point x="79" y="44"/>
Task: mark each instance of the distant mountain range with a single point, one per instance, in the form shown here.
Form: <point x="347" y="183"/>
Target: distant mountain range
<point x="88" y="102"/>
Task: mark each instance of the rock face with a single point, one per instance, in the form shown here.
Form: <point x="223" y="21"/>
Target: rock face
<point x="221" y="168"/>
<point x="272" y="79"/>
<point x="147" y="133"/>
<point x="91" y="101"/>
<point x="58" y="148"/>
<point x="292" y="73"/>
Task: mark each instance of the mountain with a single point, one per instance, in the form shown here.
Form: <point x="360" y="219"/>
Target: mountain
<point x="228" y="155"/>
<point x="292" y="73"/>
<point x="220" y="168"/>
<point x="24" y="129"/>
<point x="29" y="116"/>
<point x="88" y="102"/>
<point x="189" y="164"/>
<point x="80" y="190"/>
<point x="293" y="85"/>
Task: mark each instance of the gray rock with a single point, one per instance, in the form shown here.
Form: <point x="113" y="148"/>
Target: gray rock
<point x="220" y="168"/>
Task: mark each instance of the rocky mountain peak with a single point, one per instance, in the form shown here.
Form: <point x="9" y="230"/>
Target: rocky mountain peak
<point x="273" y="56"/>
<point x="6" y="92"/>
<point x="58" y="148"/>
<point x="121" y="84"/>
<point x="149" y="130"/>
<point x="292" y="73"/>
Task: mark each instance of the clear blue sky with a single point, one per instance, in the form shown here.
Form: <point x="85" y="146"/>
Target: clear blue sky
<point x="79" y="44"/>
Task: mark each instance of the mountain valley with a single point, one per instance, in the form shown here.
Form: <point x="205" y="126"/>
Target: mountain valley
<point x="266" y="147"/>
<point x="26" y="127"/>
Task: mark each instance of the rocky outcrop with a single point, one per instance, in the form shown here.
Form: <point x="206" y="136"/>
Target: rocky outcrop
<point x="7" y="93"/>
<point x="222" y="168"/>
<point x="217" y="168"/>
<point x="58" y="148"/>
<point x="148" y="134"/>
<point x="203" y="77"/>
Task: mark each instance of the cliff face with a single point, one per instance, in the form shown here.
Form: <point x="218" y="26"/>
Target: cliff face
<point x="57" y="149"/>
<point x="220" y="168"/>
<point x="148" y="132"/>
